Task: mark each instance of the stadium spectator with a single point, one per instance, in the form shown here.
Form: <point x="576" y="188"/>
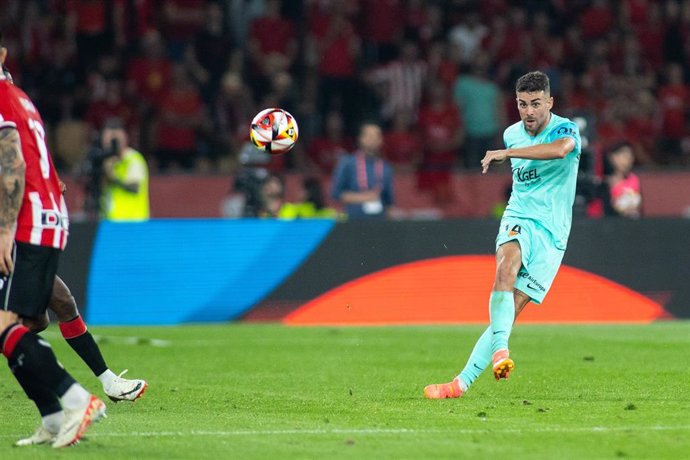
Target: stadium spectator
<point x="126" y="195"/>
<point x="181" y="20"/>
<point x="181" y="117"/>
<point x="402" y="146"/>
<point x="400" y="82"/>
<point x="232" y="112"/>
<point x="467" y="36"/>
<point x="480" y="103"/>
<point x="325" y="150"/>
<point x="363" y="181"/>
<point x="310" y="205"/>
<point x="674" y="102"/>
<point x="623" y="195"/>
<point x="442" y="133"/>
<point x="272" y="196"/>
<point x="88" y="26"/>
<point x="111" y="105"/>
<point x="209" y="52"/>
<point x="272" y="44"/>
<point x="382" y="24"/>
<point x="333" y="47"/>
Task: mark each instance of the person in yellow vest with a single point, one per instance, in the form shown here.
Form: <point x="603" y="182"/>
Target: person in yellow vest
<point x="311" y="204"/>
<point x="126" y="193"/>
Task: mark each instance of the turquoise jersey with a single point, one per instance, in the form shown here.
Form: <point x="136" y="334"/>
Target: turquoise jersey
<point x="544" y="190"/>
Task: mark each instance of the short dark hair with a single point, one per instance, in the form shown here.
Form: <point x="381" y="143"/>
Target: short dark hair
<point x="533" y="82"/>
<point x="618" y="147"/>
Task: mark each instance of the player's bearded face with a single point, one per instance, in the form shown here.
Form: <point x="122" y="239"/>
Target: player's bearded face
<point x="534" y="110"/>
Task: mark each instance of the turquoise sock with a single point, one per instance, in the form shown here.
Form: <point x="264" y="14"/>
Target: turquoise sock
<point x="502" y="312"/>
<point x="479" y="360"/>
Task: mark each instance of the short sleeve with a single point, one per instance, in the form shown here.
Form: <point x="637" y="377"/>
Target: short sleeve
<point x="6" y="112"/>
<point x="566" y="129"/>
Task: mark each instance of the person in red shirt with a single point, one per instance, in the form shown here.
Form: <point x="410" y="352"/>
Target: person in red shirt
<point x="112" y="105"/>
<point x="33" y="232"/>
<point x="440" y="125"/>
<point x="382" y="23"/>
<point x="148" y="76"/>
<point x="180" y="117"/>
<point x="272" y="42"/>
<point x="401" y="144"/>
<point x="325" y="150"/>
<point x="335" y="47"/>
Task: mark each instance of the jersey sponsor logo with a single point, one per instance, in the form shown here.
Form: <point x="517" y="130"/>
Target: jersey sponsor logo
<point x="565" y="130"/>
<point x="516" y="230"/>
<point x="52" y="219"/>
<point x="522" y="175"/>
<point x="532" y="283"/>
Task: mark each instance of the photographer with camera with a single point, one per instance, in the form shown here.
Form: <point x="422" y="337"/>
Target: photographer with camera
<point x="125" y="176"/>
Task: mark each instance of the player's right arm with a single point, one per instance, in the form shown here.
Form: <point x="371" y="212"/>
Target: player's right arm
<point x="552" y="151"/>
<point x="12" y="169"/>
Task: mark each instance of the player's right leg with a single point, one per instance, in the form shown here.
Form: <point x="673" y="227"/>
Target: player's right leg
<point x="78" y="337"/>
<point x="36" y="368"/>
<point x="479" y="359"/>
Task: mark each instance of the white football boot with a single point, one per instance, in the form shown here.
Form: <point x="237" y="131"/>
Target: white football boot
<point x="77" y="421"/>
<point x="120" y="389"/>
<point x="41" y="436"/>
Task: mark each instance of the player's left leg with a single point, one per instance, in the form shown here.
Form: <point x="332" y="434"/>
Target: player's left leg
<point x="502" y="306"/>
<point x="78" y="337"/>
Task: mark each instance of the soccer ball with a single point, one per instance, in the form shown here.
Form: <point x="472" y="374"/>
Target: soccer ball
<point x="274" y="131"/>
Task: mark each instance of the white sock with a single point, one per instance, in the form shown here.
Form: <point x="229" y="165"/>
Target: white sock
<point x="52" y="422"/>
<point x="107" y="377"/>
<point x="76" y="397"/>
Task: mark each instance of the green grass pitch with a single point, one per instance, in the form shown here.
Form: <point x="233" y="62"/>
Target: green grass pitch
<point x="272" y="392"/>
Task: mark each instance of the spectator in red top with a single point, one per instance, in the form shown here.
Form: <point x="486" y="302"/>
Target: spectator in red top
<point x="272" y="43"/>
<point x="382" y="23"/>
<point x="112" y="105"/>
<point x="88" y="24"/>
<point x="442" y="134"/>
<point x="149" y="76"/>
<point x="674" y="101"/>
<point x="132" y="19"/>
<point x="180" y="117"/>
<point x="335" y="47"/>
<point x="181" y="20"/>
<point x="325" y="150"/>
<point x="596" y="20"/>
<point x="401" y="144"/>
<point x="650" y="35"/>
<point x="209" y="52"/>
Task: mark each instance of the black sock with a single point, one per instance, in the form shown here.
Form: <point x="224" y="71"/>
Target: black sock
<point x="36" y="361"/>
<point x="45" y="400"/>
<point x="87" y="349"/>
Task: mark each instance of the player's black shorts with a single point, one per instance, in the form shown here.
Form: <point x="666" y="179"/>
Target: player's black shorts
<point x="27" y="290"/>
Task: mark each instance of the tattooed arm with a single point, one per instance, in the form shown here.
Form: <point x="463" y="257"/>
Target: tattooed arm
<point x="12" y="168"/>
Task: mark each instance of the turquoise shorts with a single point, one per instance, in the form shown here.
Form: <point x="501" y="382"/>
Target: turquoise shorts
<point x="541" y="259"/>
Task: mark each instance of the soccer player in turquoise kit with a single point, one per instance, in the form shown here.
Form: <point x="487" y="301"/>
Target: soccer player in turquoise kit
<point x="544" y="151"/>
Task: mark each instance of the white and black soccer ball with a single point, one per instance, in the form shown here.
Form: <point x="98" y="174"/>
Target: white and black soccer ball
<point x="274" y="131"/>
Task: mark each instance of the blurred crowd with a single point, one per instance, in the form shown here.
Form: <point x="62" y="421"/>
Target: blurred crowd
<point x="187" y="76"/>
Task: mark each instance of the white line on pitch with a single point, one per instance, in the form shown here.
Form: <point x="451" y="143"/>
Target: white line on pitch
<point x="384" y="431"/>
<point x="381" y="431"/>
